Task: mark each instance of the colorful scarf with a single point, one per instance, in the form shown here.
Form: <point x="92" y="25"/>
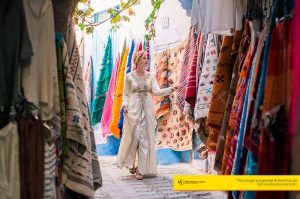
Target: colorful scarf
<point x="102" y="84"/>
<point x="207" y="77"/>
<point x="273" y="148"/>
<point x="235" y="52"/>
<point x="117" y="102"/>
<point x="108" y="104"/>
<point x="191" y="90"/>
<point x="162" y="104"/>
<point x="128" y="69"/>
<point x="185" y="68"/>
<point x="219" y="92"/>
<point x="224" y="145"/>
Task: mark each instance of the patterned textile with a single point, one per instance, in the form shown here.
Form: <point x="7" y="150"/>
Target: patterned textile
<point x="161" y="67"/>
<point x="237" y="40"/>
<point x="108" y="104"/>
<point x="200" y="59"/>
<point x="237" y="108"/>
<point x="128" y="69"/>
<point x="174" y="130"/>
<point x="81" y="171"/>
<point x="207" y="77"/>
<point x="88" y="77"/>
<point x="102" y="84"/>
<point x="49" y="172"/>
<point x="219" y="92"/>
<point x="191" y="90"/>
<point x="273" y="149"/>
<point x="185" y="68"/>
<point x="117" y="102"/>
<point x="225" y="144"/>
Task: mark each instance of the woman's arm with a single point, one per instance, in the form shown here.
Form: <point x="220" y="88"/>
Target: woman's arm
<point x="156" y="90"/>
<point x="126" y="92"/>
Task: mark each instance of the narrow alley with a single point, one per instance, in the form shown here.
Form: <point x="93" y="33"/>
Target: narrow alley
<point x="120" y="184"/>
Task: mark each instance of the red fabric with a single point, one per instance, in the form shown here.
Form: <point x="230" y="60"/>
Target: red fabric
<point x="191" y="90"/>
<point x="185" y="68"/>
<point x="140" y="46"/>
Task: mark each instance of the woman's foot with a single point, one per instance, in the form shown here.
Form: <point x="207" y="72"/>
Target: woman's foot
<point x="138" y="175"/>
<point x="132" y="170"/>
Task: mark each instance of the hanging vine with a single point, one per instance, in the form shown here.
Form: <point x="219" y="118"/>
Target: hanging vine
<point x="119" y="14"/>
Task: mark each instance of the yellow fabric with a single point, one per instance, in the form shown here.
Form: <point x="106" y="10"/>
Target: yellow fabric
<point x="117" y="104"/>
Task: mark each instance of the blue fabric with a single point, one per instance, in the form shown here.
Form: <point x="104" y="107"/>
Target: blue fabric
<point x="251" y="169"/>
<point x="128" y="69"/>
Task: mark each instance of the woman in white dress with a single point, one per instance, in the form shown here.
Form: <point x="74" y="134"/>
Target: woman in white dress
<point x="139" y="119"/>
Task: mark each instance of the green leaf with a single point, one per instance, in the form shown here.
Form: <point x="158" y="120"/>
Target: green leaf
<point x="115" y="19"/>
<point x="125" y="18"/>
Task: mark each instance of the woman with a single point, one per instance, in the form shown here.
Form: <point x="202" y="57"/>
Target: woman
<point x="139" y="119"/>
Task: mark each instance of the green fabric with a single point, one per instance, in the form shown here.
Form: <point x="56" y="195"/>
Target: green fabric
<point x="102" y="84"/>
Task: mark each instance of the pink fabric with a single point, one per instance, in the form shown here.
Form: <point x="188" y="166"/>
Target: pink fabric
<point x="191" y="90"/>
<point x="108" y="104"/>
<point x="296" y="68"/>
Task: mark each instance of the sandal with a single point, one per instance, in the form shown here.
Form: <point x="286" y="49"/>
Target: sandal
<point x="132" y="170"/>
<point x="138" y="175"/>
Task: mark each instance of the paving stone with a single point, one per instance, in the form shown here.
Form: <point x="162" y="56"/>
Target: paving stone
<point x="120" y="184"/>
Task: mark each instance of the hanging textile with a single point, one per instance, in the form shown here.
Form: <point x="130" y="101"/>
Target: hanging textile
<point x="273" y="149"/>
<point x="102" y="84"/>
<point x="161" y="71"/>
<point x="128" y="69"/>
<point x="191" y="90"/>
<point x="220" y="140"/>
<point x="219" y="92"/>
<point x="185" y="68"/>
<point x="10" y="167"/>
<point x="217" y="16"/>
<point x="174" y="130"/>
<point x="108" y="104"/>
<point x="226" y="144"/>
<point x="88" y="78"/>
<point x="31" y="134"/>
<point x="295" y="102"/>
<point x="117" y="102"/>
<point x="81" y="171"/>
<point x="200" y="59"/>
<point x="207" y="77"/>
<point x="44" y="91"/>
<point x="15" y="53"/>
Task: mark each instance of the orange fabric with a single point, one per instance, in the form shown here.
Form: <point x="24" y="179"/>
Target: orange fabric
<point x="117" y="101"/>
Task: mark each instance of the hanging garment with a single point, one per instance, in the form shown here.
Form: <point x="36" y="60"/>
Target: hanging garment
<point x="174" y="130"/>
<point x="217" y="16"/>
<point x="295" y="105"/>
<point x="88" y="77"/>
<point x="108" y="104"/>
<point x="15" y="52"/>
<point x="185" y="68"/>
<point x="237" y="47"/>
<point x="117" y="102"/>
<point x="80" y="167"/>
<point x="40" y="84"/>
<point x="226" y="144"/>
<point x="50" y="171"/>
<point x="102" y="84"/>
<point x="161" y="71"/>
<point x="207" y="77"/>
<point x="9" y="160"/>
<point x="128" y="69"/>
<point x="273" y="149"/>
<point x="139" y="123"/>
<point x="200" y="59"/>
<point x="191" y="90"/>
<point x="219" y="92"/>
<point x="32" y="155"/>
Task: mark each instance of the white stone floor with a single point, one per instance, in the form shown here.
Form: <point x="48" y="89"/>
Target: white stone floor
<point x="120" y="184"/>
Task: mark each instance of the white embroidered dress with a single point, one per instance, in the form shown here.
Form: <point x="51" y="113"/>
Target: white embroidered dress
<point x="140" y="123"/>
